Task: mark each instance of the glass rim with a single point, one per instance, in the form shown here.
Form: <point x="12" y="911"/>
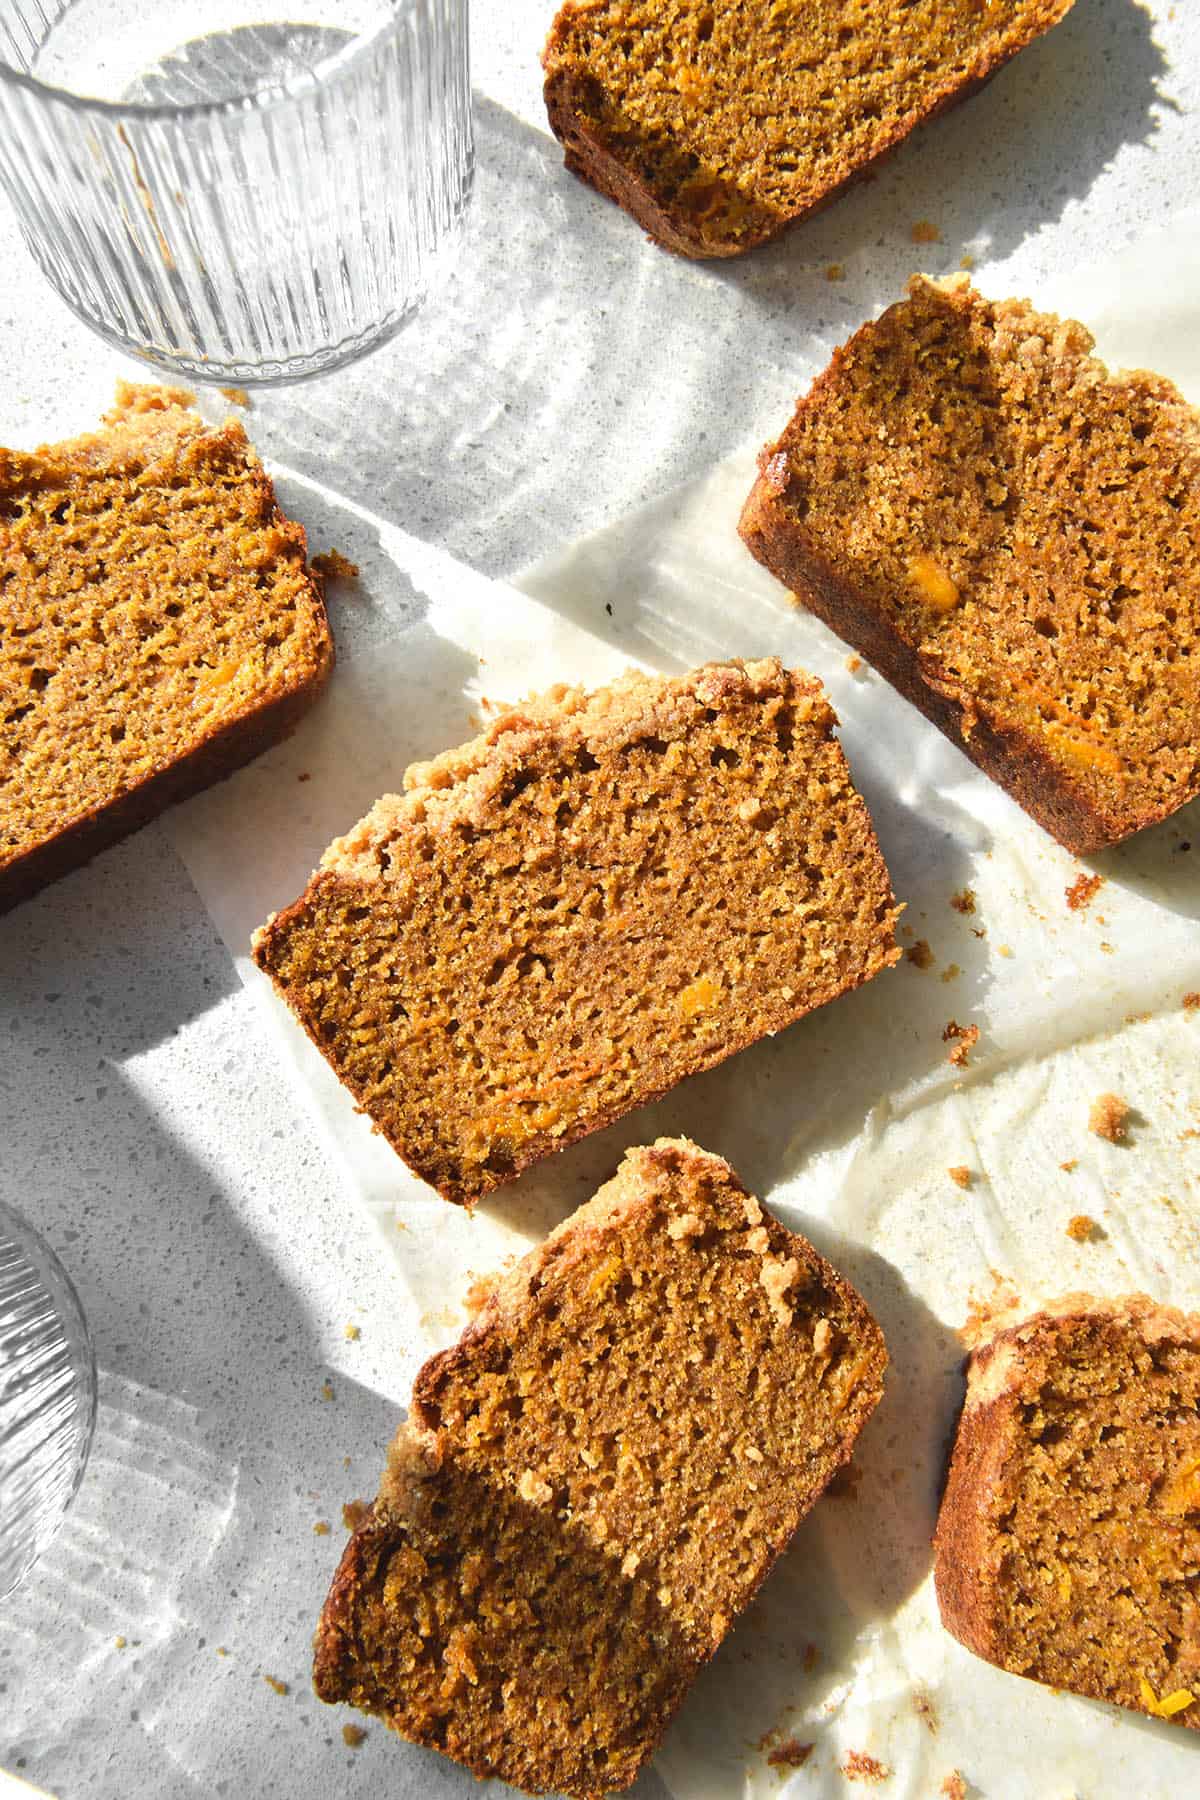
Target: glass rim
<point x="259" y="99"/>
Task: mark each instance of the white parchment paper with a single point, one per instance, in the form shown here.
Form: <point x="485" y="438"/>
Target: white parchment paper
<point x="848" y="1123"/>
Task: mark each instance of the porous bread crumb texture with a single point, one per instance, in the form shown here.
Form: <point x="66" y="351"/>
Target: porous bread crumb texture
<point x="681" y="1425"/>
<point x="1108" y="1118"/>
<point x="605" y="893"/>
<point x="158" y="627"/>
<point x="1082" y="1228"/>
<point x="717" y="126"/>
<point x="1068" y="1542"/>
<point x="1083" y="891"/>
<point x="858" y="1766"/>
<point x="1059" y="503"/>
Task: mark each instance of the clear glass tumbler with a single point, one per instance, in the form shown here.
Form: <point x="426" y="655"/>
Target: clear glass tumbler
<point x="47" y="1395"/>
<point x="241" y="191"/>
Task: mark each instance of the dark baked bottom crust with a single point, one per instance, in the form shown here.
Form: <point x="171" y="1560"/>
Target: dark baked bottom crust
<point x="1018" y="762"/>
<point x="587" y="155"/>
<point x="216" y="758"/>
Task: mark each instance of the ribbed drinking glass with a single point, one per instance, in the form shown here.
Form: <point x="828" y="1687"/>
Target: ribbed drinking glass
<point x="47" y="1395"/>
<point x="241" y="191"/>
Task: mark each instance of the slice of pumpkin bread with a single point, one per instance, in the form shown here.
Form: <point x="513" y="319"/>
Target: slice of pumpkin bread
<point x="593" y="1482"/>
<point x="1009" y="533"/>
<point x="1068" y="1544"/>
<point x="717" y="126"/>
<point x="559" y="921"/>
<point x="158" y="628"/>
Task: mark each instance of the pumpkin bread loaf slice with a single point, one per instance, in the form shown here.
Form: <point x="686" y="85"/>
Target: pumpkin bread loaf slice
<point x="719" y="124"/>
<point x="158" y="628"/>
<point x="594" y="1481"/>
<point x="1068" y="1545"/>
<point x="562" y="919"/>
<point x="1017" y="550"/>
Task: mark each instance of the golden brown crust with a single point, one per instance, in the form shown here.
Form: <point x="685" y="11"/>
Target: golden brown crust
<point x="568" y="1512"/>
<point x="148" y="436"/>
<point x="604" y="147"/>
<point x="981" y="1521"/>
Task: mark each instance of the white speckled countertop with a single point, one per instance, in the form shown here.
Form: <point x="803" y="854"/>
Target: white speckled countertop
<point x="568" y="372"/>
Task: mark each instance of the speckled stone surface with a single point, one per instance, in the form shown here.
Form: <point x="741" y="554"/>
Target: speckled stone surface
<point x="568" y="371"/>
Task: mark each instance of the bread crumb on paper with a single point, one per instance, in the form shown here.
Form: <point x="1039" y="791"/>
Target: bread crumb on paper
<point x="924" y="231"/>
<point x="221" y="1650"/>
<point x="854" y="664"/>
<point x="1083" y="890"/>
<point x="1072" y="1162"/>
<point x="276" y="1686"/>
<point x="1004" y="949"/>
<point x="967" y="1037"/>
<point x="1191" y="1003"/>
<point x="237" y="395"/>
<point x="321" y="1528"/>
<point x="858" y="1766"/>
<point x="353" y="1333"/>
<point x="960" y="1174"/>
<point x="835" y="272"/>
<point x="924" y="1708"/>
<point x="791" y="1754"/>
<point x="353" y="1736"/>
<point x="354" y="1512"/>
<point x="951" y="972"/>
<point x="954" y="1787"/>
<point x="119" y="1643"/>
<point x="1109" y="1118"/>
<point x="327" y="1389"/>
<point x="1083" y="1228"/>
<point x="334" y="566"/>
<point x="920" y="954"/>
<point x="964" y="901"/>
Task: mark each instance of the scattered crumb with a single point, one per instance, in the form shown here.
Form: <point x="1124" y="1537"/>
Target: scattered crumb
<point x="906" y="931"/>
<point x="400" y="1225"/>
<point x="321" y="1528"/>
<point x="986" y="1314"/>
<point x="335" y="566"/>
<point x="239" y="396"/>
<point x="1109" y="1118"/>
<point x="954" y="1787"/>
<point x="854" y="664"/>
<point x="278" y="1687"/>
<point x="964" y="900"/>
<point x="119" y="1643"/>
<point x="810" y="1659"/>
<point x="353" y="1735"/>
<point x="1191" y="1003"/>
<point x="920" y="954"/>
<point x="1082" y="891"/>
<point x="304" y="776"/>
<point x="966" y="261"/>
<point x="1106" y="947"/>
<point x="346" y="1462"/>
<point x="951" y="972"/>
<point x="327" y="1389"/>
<point x="354" y="1512"/>
<point x="858" y="1766"/>
<point x="835" y="272"/>
<point x="967" y="1036"/>
<point x="353" y="1332"/>
<point x="961" y="1174"/>
<point x="221" y="1650"/>
<point x="791" y="1754"/>
<point x="1083" y="1228"/>
<point x="924" y="1709"/>
<point x="1004" y="949"/>
<point x="926" y="232"/>
<point x="1071" y="1163"/>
